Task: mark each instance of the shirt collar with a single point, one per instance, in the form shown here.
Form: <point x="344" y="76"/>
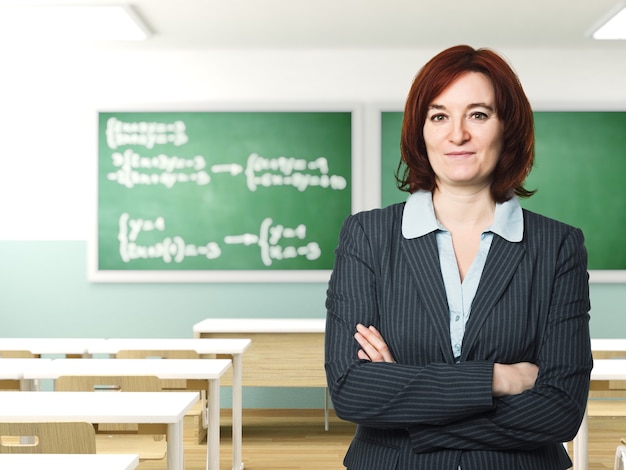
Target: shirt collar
<point x="418" y="218"/>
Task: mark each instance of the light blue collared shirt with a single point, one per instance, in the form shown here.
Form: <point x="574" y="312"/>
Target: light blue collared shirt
<point x="419" y="219"/>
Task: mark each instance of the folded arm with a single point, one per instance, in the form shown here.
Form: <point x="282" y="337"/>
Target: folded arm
<point x="441" y="404"/>
<point x="508" y="379"/>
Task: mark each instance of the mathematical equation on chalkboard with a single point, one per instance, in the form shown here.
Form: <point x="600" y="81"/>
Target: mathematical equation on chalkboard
<point x="132" y="169"/>
<point x="175" y="249"/>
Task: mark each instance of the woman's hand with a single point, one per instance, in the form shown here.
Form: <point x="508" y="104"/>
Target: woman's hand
<point x="512" y="379"/>
<point x="508" y="379"/>
<point x="373" y="346"/>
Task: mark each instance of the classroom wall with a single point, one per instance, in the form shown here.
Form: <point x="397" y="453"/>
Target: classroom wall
<point x="48" y="103"/>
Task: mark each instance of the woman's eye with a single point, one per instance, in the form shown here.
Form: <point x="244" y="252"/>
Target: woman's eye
<point x="437" y="117"/>
<point x="479" y="115"/>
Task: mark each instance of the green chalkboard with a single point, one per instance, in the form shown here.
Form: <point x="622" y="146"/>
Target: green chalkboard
<point x="579" y="174"/>
<point x="185" y="193"/>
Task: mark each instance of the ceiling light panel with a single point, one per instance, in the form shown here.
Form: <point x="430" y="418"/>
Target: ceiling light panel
<point x="614" y="28"/>
<point x="73" y="22"/>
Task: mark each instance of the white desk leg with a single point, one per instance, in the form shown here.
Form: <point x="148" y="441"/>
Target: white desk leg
<point x="326" y="400"/>
<point x="581" y="443"/>
<point x="213" y="430"/>
<point x="237" y="411"/>
<point x="30" y="385"/>
<point x="175" y="446"/>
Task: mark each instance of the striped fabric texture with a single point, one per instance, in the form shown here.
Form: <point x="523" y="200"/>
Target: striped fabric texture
<point x="426" y="412"/>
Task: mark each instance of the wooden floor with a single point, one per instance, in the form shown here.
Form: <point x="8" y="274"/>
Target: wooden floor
<point x="295" y="439"/>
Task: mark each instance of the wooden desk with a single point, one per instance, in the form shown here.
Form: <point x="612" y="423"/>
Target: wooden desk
<point x="606" y="348"/>
<point x="223" y="346"/>
<point x="68" y="461"/>
<point x="38" y="346"/>
<point x="285" y="352"/>
<point x="604" y="370"/>
<point x="13" y="369"/>
<point x="136" y="407"/>
<point x="210" y="370"/>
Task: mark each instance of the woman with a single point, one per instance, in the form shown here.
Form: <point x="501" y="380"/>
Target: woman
<point x="457" y="328"/>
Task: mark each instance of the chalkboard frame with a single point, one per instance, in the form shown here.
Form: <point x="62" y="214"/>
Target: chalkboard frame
<point x="374" y="128"/>
<point x="358" y="189"/>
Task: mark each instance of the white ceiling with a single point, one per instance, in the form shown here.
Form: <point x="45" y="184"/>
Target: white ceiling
<point x="371" y="24"/>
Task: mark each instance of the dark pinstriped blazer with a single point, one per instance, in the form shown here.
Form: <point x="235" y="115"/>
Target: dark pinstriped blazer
<point x="426" y="412"/>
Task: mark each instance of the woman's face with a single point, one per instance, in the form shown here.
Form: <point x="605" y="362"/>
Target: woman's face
<point x="463" y="134"/>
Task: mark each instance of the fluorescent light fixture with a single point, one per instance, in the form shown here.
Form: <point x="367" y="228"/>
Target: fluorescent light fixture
<point x="73" y="22"/>
<point x="614" y="28"/>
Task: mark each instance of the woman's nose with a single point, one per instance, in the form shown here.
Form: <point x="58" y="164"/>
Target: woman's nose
<point x="458" y="132"/>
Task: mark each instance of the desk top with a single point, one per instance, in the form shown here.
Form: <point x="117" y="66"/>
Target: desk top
<point x="609" y="369"/>
<point x="96" y="407"/>
<point x="203" y="369"/>
<point x="69" y="461"/>
<point x="260" y="325"/>
<point x="199" y="345"/>
<point x="49" y="345"/>
<point x="608" y="344"/>
<point x="13" y="369"/>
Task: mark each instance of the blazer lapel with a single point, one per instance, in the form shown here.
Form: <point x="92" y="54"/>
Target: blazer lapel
<point x="423" y="258"/>
<point x="501" y="264"/>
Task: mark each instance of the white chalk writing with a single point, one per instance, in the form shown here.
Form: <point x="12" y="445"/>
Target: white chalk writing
<point x="176" y="249"/>
<point x="169" y="249"/>
<point x="133" y="169"/>
<point x="268" y="238"/>
<point x="287" y="171"/>
<point x="232" y="168"/>
<point x="172" y="170"/>
<point x="146" y="134"/>
<point x="148" y="238"/>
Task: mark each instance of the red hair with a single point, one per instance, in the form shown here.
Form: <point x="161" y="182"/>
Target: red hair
<point x="512" y="108"/>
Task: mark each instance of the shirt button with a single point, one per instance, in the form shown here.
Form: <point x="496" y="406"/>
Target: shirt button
<point x="457" y="318"/>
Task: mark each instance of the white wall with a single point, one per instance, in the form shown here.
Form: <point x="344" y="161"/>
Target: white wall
<point x="49" y="99"/>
